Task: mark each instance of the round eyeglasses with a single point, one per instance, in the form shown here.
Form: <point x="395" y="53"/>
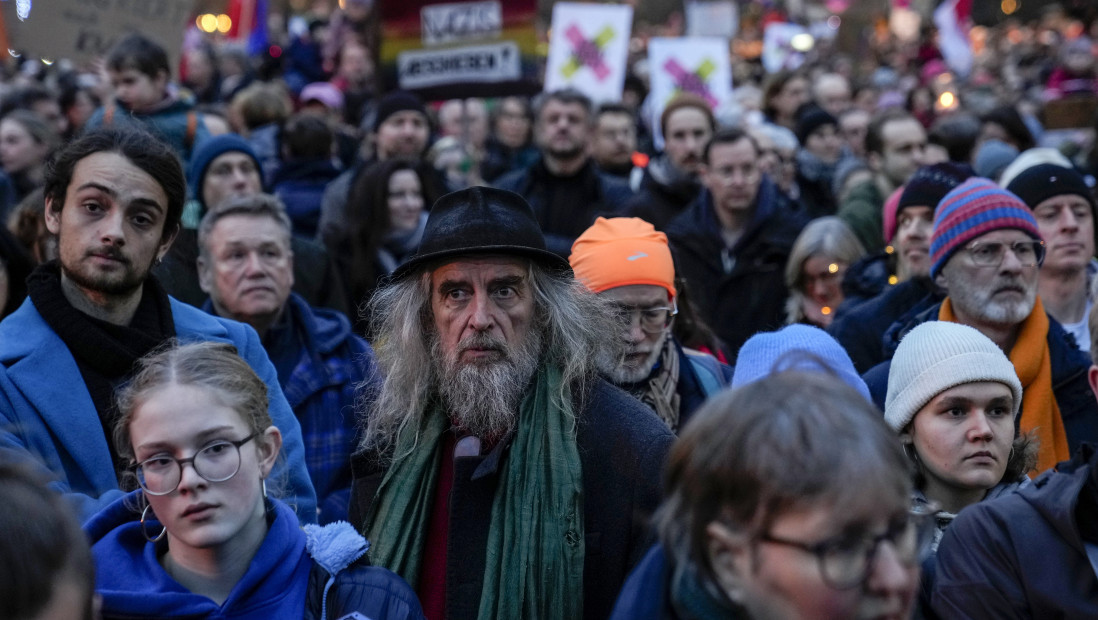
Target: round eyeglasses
<point x="991" y="253"/>
<point x="845" y="561"/>
<point x="216" y="462"/>
<point x="652" y="320"/>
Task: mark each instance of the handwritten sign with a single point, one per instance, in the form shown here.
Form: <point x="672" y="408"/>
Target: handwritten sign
<point x="80" y="30"/>
<point x="588" y="49"/>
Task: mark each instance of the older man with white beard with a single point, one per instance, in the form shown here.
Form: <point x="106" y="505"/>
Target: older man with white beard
<point x="626" y="261"/>
<point x="498" y="474"/>
<point x="985" y="253"/>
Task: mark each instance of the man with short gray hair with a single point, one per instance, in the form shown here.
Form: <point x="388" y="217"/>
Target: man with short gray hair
<point x="246" y="266"/>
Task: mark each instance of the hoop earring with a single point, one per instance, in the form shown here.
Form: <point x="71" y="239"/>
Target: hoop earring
<point x="145" y="532"/>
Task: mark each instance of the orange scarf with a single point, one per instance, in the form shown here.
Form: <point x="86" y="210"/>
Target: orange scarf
<point x="1040" y="412"/>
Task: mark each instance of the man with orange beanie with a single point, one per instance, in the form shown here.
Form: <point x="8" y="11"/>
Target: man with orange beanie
<point x="627" y="261"/>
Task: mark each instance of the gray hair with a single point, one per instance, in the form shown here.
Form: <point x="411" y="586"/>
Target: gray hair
<point x="574" y="324"/>
<point x="825" y="236"/>
<point x="255" y="205"/>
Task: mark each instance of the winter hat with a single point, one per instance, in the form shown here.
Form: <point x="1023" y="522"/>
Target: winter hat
<point x="398" y="101"/>
<point x="324" y="92"/>
<point x="930" y="184"/>
<point x="209" y="150"/>
<point x="1030" y="158"/>
<point x="622" y="251"/>
<point x="936" y="356"/>
<point x="888" y="213"/>
<point x="970" y="210"/>
<point x="811" y="117"/>
<point x="993" y="157"/>
<point x="1043" y="181"/>
<point x="795" y="347"/>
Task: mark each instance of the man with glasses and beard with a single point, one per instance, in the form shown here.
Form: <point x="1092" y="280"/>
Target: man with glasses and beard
<point x="564" y="186"/>
<point x="498" y="474"/>
<point x="985" y="251"/>
<point x="114" y="199"/>
<point x="626" y="261"/>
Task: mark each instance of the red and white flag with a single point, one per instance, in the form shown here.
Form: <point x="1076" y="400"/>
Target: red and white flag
<point x="952" y="18"/>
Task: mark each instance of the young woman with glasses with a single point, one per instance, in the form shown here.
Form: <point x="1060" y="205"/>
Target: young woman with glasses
<point x="201" y="537"/>
<point x="786" y="498"/>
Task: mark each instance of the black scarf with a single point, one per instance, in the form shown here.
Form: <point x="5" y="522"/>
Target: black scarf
<point x="104" y="352"/>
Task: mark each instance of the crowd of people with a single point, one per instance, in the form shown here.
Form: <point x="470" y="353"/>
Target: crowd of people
<point x="287" y="342"/>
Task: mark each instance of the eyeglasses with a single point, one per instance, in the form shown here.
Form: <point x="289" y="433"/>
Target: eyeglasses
<point x="991" y="253"/>
<point x="652" y="320"/>
<point x="845" y="561"/>
<point x="216" y="462"/>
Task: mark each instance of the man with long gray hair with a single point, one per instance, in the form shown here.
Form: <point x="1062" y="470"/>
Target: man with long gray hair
<point x="498" y="475"/>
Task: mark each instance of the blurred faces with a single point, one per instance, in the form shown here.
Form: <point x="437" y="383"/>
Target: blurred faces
<point x="832" y="93"/>
<point x="562" y="130"/>
<point x="230" y="175"/>
<point x="732" y="176"/>
<point x="50" y="111"/>
<point x="615" y="140"/>
<point x="641" y="349"/>
<point x="825" y="144"/>
<point x="774" y="580"/>
<point x="201" y="517"/>
<point x="993" y="297"/>
<point x="852" y="128"/>
<point x="791" y="97"/>
<point x="912" y="241"/>
<point x="403" y="134"/>
<point x="19" y="151"/>
<point x="963" y="438"/>
<point x="137" y="91"/>
<point x="355" y="65"/>
<point x="405" y="201"/>
<point x="688" y="130"/>
<point x="513" y="125"/>
<point x="822" y="279"/>
<point x="455" y="118"/>
<point x="903" y="152"/>
<point x="248" y="269"/>
<point x="1066" y="224"/>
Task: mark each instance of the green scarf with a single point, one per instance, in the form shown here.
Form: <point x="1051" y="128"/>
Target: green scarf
<point x="535" y="552"/>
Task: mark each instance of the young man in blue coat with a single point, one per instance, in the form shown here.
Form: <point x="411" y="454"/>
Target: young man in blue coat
<point x="114" y="199"/>
<point x="246" y="266"/>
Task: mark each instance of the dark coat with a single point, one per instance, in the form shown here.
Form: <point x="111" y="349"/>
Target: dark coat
<point x="1023" y="555"/>
<point x="622" y="447"/>
<point x="659" y="200"/>
<point x="315" y="275"/>
<point x="1078" y="409"/>
<point x="751" y="297"/>
<point x="602" y="194"/>
<point x="300" y="185"/>
<point x="861" y="330"/>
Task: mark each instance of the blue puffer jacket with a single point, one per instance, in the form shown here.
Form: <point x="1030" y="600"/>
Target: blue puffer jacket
<point x="1074" y="396"/>
<point x="319" y="572"/>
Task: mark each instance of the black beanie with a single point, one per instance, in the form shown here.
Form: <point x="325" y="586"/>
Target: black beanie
<point x="930" y="184"/>
<point x="1037" y="184"/>
<point x="398" y="101"/>
<point x="811" y="117"/>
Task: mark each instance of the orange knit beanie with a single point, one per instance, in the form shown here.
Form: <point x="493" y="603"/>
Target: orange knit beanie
<point x="621" y="251"/>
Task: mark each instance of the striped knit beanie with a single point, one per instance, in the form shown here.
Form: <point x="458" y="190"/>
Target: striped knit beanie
<point x="972" y="209"/>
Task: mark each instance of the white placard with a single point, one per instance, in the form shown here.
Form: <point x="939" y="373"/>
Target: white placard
<point x="466" y="21"/>
<point x="698" y="65"/>
<point x="498" y="62"/>
<point x="715" y="18"/>
<point x="588" y="48"/>
<point x="778" y="51"/>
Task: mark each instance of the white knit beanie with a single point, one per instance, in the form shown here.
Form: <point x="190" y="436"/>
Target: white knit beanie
<point x="936" y="356"/>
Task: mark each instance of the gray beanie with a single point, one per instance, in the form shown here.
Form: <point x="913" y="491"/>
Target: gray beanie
<point x="936" y="356"/>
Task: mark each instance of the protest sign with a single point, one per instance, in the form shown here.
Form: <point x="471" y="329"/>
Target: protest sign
<point x="80" y="30"/>
<point x="712" y="18"/>
<point x="782" y="47"/>
<point x="698" y="65"/>
<point x="457" y="49"/>
<point x="588" y="49"/>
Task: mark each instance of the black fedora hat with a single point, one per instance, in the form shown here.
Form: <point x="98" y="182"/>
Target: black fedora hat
<point x="481" y="220"/>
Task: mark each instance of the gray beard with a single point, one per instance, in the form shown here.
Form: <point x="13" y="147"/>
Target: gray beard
<point x="483" y="398"/>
